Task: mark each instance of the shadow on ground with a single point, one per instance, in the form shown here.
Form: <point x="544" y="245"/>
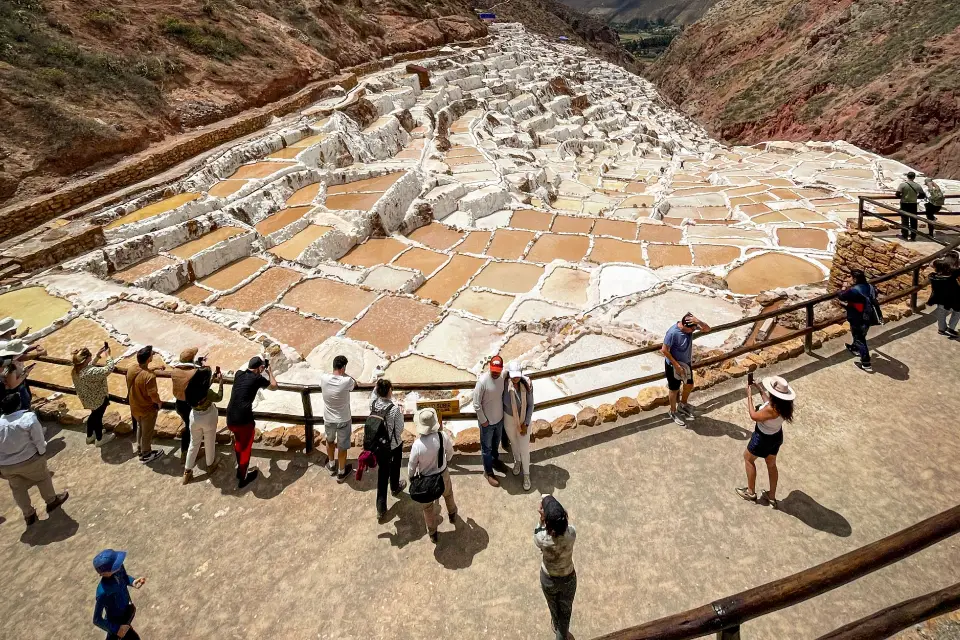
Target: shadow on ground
<point x="815" y="515"/>
<point x="57" y="527"/>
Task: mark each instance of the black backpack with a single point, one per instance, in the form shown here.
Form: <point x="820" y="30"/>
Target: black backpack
<point x="872" y="314"/>
<point x="375" y="434"/>
<point x="426" y="489"/>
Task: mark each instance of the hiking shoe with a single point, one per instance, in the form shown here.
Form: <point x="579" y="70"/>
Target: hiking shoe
<point x="677" y="418"/>
<point x="187" y="476"/>
<point x="526" y="482"/>
<point x="864" y="367"/>
<point x="686" y="409"/>
<point x="150" y="457"/>
<point x="491" y="480"/>
<point x="434" y="537"/>
<point x="54" y="504"/>
<point x="517" y="468"/>
<point x="251" y="476"/>
<point x="107" y="437"/>
<point x="91" y="439"/>
<point x="746" y="494"/>
<point x="332" y="467"/>
<point x="851" y="348"/>
<point x="953" y="333"/>
<point x="343" y="475"/>
<point x="403" y="485"/>
<point x="31" y="520"/>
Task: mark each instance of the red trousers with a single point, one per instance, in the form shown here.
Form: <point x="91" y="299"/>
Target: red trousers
<point x="242" y="445"/>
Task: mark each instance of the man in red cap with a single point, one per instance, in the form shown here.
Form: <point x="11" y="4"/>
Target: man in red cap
<point x="488" y="403"/>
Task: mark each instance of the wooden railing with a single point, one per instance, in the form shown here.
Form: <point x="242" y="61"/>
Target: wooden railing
<point x="309" y="420"/>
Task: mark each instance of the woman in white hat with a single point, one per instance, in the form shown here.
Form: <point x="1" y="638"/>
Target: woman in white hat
<point x="767" y="437"/>
<point x="8" y="329"/>
<point x="517" y="415"/>
<point x="424" y="459"/>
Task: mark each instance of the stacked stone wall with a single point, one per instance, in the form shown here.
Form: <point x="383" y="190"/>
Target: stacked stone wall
<point x="875" y="257"/>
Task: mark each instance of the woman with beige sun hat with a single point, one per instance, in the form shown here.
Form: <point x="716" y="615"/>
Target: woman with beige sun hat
<point x="430" y="456"/>
<point x="767" y="434"/>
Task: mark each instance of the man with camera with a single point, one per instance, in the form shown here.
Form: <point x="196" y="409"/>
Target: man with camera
<point x="246" y="384"/>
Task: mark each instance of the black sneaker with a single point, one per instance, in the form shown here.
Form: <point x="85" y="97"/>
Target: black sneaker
<point x="343" y="475"/>
<point x="403" y="485"/>
<point x="31" y="520"/>
<point x="332" y="467"/>
<point x="251" y="476"/>
<point x="953" y="333"/>
<point x="851" y="348"/>
<point x="150" y="457"/>
<point x="434" y="537"/>
<point x="54" y="504"/>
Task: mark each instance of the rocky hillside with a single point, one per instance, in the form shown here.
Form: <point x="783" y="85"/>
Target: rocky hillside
<point x="879" y="73"/>
<point x="85" y="82"/>
<point x="672" y="11"/>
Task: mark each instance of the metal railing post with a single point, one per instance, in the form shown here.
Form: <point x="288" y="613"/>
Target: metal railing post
<point x="730" y="633"/>
<point x="808" y="339"/>
<point x="308" y="418"/>
<point x="860" y="215"/>
<point x="913" y="296"/>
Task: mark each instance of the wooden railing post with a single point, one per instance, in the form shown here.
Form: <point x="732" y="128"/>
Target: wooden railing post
<point x="860" y="215"/>
<point x="730" y="633"/>
<point x="913" y="296"/>
<point x="808" y="339"/>
<point x="308" y="418"/>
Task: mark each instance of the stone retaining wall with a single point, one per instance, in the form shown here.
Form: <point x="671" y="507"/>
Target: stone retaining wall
<point x="858" y="250"/>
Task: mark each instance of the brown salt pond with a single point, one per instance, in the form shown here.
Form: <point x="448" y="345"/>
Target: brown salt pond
<point x="233" y="274"/>
<point x="772" y="271"/>
<point x="259" y="170"/>
<point x="373" y="252"/>
<point x="530" y="219"/>
<point x="425" y="261"/>
<point x="553" y="246"/>
<point x="146" y="267"/>
<point x="417" y="369"/>
<point x="509" y="277"/>
<point x="226" y="188"/>
<point x="329" y="298"/>
<point x="302" y="333"/>
<point x="660" y="233"/>
<point x="155" y="209"/>
<point x="668" y="255"/>
<point x="77" y="333"/>
<point x="379" y="184"/>
<point x="261" y="291"/>
<point x="436" y="236"/>
<point x="519" y="344"/>
<point x="610" y="250"/>
<point x="450" y="278"/>
<point x="572" y="224"/>
<point x="485" y="304"/>
<point x="352" y="201"/>
<point x="280" y="219"/>
<point x="617" y="228"/>
<point x="292" y="248"/>
<point x="392" y="323"/>
<point x="707" y="255"/>
<point x="34" y="306"/>
<point x="304" y="196"/>
<point x="193" y="294"/>
<point x="566" y="285"/>
<point x="509" y="244"/>
<point x="803" y="238"/>
<point x="207" y="240"/>
<point x="475" y="242"/>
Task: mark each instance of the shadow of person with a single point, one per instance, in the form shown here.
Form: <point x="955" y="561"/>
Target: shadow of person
<point x="55" y="446"/>
<point x="544" y="478"/>
<point x="118" y="451"/>
<point x="409" y="522"/>
<point x="889" y="366"/>
<point x="271" y="485"/>
<point x="713" y="428"/>
<point x="815" y="515"/>
<point x="57" y="527"/>
<point x="457" y="549"/>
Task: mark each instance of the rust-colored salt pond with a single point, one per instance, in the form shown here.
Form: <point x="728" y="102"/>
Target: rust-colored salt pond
<point x="260" y="291"/>
<point x="709" y="255"/>
<point x="292" y="248"/>
<point x="509" y="277"/>
<point x="302" y="333"/>
<point x="146" y="267"/>
<point x="392" y="323"/>
<point x="304" y="196"/>
<point x="33" y="305"/>
<point x="259" y="170"/>
<point x="228" y="277"/>
<point x="519" y="344"/>
<point x="553" y="246"/>
<point x="617" y="228"/>
<point x="329" y="298"/>
<point x="772" y="271"/>
<point x="610" y="250"/>
<point x="155" y="209"/>
<point x="226" y="188"/>
<point x="572" y="224"/>
<point x="379" y="184"/>
<point x="426" y="261"/>
<point x="509" y="244"/>
<point x="803" y="238"/>
<point x="280" y="219"/>
<point x="475" y="242"/>
<point x="755" y="209"/>
<point x="352" y="201"/>
<point x="207" y="240"/>
<point x="530" y="219"/>
<point x="193" y="294"/>
<point x="668" y="255"/>
<point x="436" y="236"/>
<point x="451" y="277"/>
<point x="373" y="252"/>
<point x="460" y="151"/>
<point x="660" y="233"/>
<point x="485" y="304"/>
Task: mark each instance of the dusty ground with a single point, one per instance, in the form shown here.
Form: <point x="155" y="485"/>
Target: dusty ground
<point x="660" y="528"/>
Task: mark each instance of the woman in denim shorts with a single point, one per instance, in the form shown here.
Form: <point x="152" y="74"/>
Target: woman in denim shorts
<point x="767" y="437"/>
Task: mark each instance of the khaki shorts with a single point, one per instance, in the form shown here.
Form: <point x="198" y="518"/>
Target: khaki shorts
<point x="338" y="432"/>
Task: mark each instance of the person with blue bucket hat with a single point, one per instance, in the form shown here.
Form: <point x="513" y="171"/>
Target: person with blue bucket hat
<point x="115" y="610"/>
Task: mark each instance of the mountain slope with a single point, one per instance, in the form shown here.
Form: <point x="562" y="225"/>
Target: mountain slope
<point x="879" y="73"/>
<point x="673" y="11"/>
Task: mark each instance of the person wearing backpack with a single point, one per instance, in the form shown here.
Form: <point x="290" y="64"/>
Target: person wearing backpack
<point x="180" y="376"/>
<point x="909" y="192"/>
<point x="201" y="397"/>
<point x="383" y="436"/>
<point x="934" y="204"/>
<point x="428" y="472"/>
<point x="863" y="311"/>
<point x="945" y="294"/>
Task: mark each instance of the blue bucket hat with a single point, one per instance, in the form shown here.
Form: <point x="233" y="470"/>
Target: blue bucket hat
<point x="109" y="560"/>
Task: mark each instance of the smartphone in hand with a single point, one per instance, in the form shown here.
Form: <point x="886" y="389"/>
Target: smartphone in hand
<point x="750" y="378"/>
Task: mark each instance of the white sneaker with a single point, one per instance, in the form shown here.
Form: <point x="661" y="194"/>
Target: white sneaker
<point x="91" y="440"/>
<point x="686" y="410"/>
<point x="526" y="482"/>
<point x="107" y="437"/>
<point x="517" y="468"/>
<point x="677" y="418"/>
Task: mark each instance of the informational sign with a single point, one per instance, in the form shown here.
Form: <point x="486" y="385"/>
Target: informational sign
<point x="443" y="408"/>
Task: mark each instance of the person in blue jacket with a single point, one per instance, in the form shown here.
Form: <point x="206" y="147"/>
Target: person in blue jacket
<point x="858" y="299"/>
<point x="115" y="610"/>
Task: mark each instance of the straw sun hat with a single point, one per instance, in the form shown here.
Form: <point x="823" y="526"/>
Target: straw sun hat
<point x="779" y="387"/>
<point x="426" y="421"/>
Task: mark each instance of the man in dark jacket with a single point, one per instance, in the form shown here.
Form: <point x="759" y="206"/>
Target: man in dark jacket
<point x="115" y="610"/>
<point x="858" y="300"/>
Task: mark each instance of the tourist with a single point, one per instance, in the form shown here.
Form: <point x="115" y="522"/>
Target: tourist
<point x="202" y="399"/>
<point x="558" y="578"/>
<point x="517" y="415"/>
<point x="22" y="462"/>
<point x="677" y="350"/>
<point x="144" y="399"/>
<point x="8" y="330"/>
<point x="427" y="460"/>
<point x="90" y="383"/>
<point x="114" y="610"/>
<point x="767" y="437"/>
<point x="861" y="302"/>
<point x="246" y="384"/>
<point x="909" y="192"/>
<point x="389" y="457"/>
<point x="934" y="202"/>
<point x="337" y="416"/>
<point x="180" y="376"/>
<point x="13" y="373"/>
<point x="488" y="403"/>
<point x="945" y="293"/>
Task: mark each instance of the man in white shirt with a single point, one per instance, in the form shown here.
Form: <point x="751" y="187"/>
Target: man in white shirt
<point x="336" y="388"/>
<point x="22" y="447"/>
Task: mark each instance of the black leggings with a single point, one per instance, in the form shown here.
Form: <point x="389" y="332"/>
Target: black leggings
<point x="95" y="421"/>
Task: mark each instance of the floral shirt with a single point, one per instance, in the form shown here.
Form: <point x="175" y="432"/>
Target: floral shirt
<point x="91" y="383"/>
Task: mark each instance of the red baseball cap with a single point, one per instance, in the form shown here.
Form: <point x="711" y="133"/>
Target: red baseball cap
<point x="496" y="363"/>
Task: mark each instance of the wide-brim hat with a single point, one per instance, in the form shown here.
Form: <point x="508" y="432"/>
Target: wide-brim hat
<point x="13" y="348"/>
<point x="426" y="421"/>
<point x="109" y="560"/>
<point x="9" y="324"/>
<point x="779" y="387"/>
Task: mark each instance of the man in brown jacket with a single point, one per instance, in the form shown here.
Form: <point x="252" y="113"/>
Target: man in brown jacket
<point x="180" y="377"/>
<point x="144" y="399"/>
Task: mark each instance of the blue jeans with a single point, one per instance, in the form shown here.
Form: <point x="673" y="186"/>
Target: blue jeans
<point x="490" y="437"/>
<point x="859" y="334"/>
